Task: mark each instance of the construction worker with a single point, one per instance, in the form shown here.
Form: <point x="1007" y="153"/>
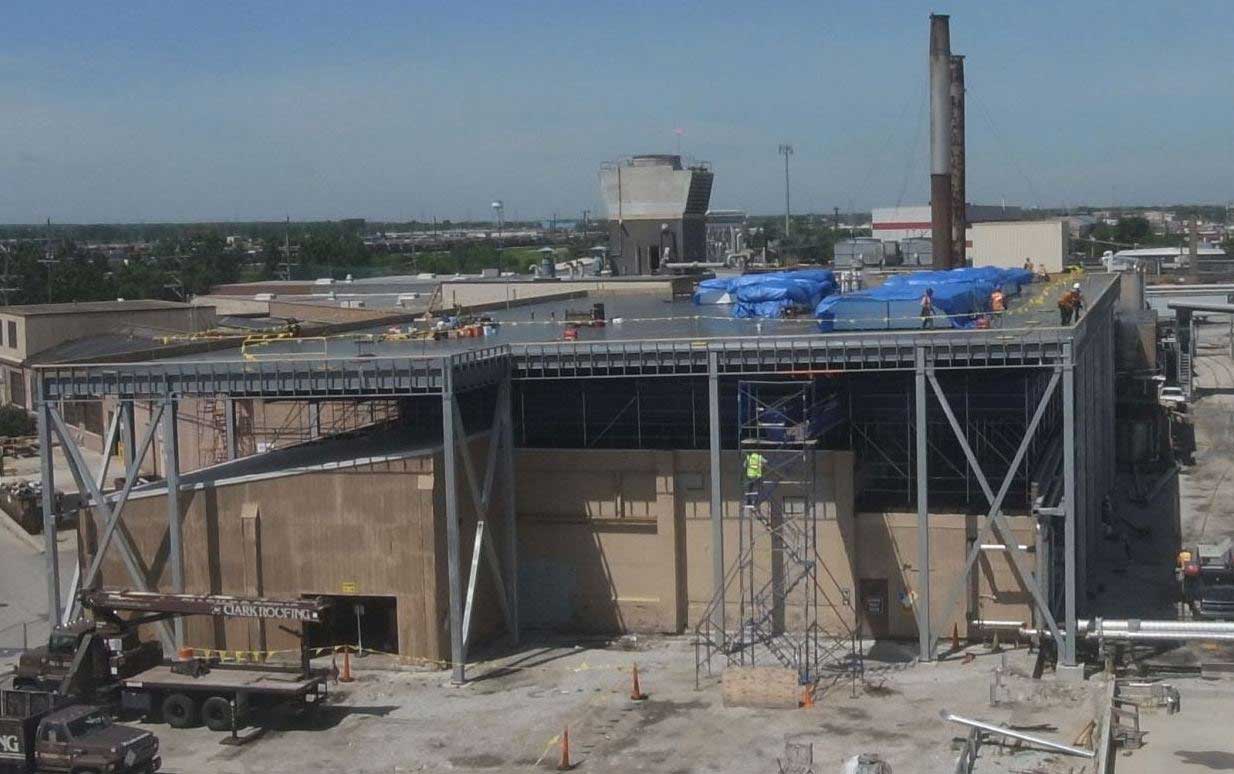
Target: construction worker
<point x="754" y="474"/>
<point x="1028" y="266"/>
<point x="1070" y="305"/>
<point x="927" y="309"/>
<point x="998" y="305"/>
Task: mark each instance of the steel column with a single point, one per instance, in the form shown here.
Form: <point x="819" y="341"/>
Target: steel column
<point x="450" y="486"/>
<point x="924" y="635"/>
<point x="1069" y="510"/>
<point x="717" y="502"/>
<point x="109" y="447"/>
<point x="511" y="516"/>
<point x="171" y="471"/>
<point x="128" y="432"/>
<point x="229" y="407"/>
<point x="47" y="466"/>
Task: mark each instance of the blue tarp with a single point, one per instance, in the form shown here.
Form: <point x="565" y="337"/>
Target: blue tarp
<point x="960" y="296"/>
<point x="773" y="294"/>
<point x="1009" y="279"/>
<point x="768" y="295"/>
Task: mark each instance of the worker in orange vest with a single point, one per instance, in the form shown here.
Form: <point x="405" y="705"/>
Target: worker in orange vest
<point x="1070" y="304"/>
<point x="998" y="305"/>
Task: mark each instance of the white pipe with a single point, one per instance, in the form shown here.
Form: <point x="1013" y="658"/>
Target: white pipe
<point x="1033" y="740"/>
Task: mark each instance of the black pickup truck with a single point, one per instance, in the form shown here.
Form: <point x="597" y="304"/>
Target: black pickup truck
<point x="42" y="731"/>
<point x="1206" y="580"/>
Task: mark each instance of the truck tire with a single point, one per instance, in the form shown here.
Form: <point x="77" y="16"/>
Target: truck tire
<point x="216" y="713"/>
<point x="179" y="710"/>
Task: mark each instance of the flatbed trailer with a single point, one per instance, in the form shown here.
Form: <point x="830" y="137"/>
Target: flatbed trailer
<point x="212" y="696"/>
<point x="103" y="657"/>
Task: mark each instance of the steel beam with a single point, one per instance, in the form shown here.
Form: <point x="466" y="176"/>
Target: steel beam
<point x="994" y="521"/>
<point x="78" y="468"/>
<point x="717" y="502"/>
<point x="109" y="447"/>
<point x="1069" y="506"/>
<point x="48" y="475"/>
<point x="925" y="638"/>
<point x="171" y="472"/>
<point x="450" y="487"/>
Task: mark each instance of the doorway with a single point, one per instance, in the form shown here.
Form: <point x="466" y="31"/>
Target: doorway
<point x="370" y="622"/>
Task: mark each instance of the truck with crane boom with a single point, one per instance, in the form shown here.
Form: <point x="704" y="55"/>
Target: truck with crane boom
<point x="103" y="660"/>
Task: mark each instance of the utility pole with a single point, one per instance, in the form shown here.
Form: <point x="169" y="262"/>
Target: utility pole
<point x="786" y="150"/>
<point x="49" y="259"/>
<point x="287" y="262"/>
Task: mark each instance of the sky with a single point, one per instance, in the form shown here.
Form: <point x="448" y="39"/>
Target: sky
<point x="163" y="110"/>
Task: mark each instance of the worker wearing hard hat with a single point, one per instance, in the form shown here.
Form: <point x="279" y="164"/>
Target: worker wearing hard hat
<point x="1070" y="304"/>
<point x="754" y="475"/>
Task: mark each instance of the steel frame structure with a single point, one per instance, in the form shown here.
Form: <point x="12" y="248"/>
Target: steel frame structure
<point x="1078" y="360"/>
<point x="779" y="421"/>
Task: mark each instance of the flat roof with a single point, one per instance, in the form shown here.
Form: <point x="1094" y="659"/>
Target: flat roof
<point x="94" y="307"/>
<point x="645" y="336"/>
<point x="630" y="318"/>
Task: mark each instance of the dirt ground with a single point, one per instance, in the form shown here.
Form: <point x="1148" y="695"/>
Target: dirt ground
<point x="510" y="717"/>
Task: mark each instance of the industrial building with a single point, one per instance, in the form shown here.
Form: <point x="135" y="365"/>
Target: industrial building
<point x="894" y="224"/>
<point x="49" y="333"/>
<point x="518" y="481"/>
<point x="657" y="211"/>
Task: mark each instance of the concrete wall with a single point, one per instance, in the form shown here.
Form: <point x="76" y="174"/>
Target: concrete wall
<point x="609" y="542"/>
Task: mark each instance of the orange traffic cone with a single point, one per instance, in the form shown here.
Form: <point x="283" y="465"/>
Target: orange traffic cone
<point x="345" y="676"/>
<point x="807" y="698"/>
<point x="636" y="693"/>
<point x="564" y="764"/>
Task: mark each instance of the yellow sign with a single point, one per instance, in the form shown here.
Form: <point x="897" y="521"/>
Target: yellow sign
<point x="350" y="587"/>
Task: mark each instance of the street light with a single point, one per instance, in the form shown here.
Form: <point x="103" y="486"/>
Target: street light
<point x="499" y="210"/>
<point x="786" y="150"/>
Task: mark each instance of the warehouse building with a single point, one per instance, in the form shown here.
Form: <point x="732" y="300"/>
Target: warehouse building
<point x="526" y="483"/>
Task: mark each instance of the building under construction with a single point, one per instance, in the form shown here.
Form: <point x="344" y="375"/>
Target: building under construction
<point x="584" y="476"/>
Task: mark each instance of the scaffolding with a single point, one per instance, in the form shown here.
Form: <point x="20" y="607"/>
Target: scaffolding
<point x="791" y="610"/>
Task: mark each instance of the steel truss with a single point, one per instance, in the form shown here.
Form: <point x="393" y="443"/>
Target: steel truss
<point x="781" y="421"/>
<point x="496" y="485"/>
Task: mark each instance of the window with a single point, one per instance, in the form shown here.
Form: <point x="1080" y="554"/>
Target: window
<point x="12" y="330"/>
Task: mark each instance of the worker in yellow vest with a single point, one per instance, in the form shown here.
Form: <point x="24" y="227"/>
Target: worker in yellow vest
<point x="754" y="473"/>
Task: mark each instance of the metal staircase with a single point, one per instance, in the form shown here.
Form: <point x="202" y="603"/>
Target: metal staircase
<point x="781" y="584"/>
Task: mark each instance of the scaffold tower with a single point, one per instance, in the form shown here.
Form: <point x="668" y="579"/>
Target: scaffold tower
<point x="790" y="609"/>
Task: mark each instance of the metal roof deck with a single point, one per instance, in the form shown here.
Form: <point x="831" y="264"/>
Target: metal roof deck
<point x="655" y="338"/>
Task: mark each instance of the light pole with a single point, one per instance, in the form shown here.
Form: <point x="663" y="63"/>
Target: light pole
<point x="499" y="210"/>
<point x="786" y="150"/>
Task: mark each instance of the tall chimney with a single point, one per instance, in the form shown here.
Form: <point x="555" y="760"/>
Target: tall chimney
<point x="959" y="207"/>
<point x="940" y="140"/>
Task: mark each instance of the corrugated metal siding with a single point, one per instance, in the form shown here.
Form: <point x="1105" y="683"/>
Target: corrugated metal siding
<point x="1009" y="243"/>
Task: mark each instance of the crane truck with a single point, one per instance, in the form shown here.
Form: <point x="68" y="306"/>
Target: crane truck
<point x="103" y="660"/>
<point x="42" y="732"/>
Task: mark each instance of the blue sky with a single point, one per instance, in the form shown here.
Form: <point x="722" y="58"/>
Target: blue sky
<point x="146" y="111"/>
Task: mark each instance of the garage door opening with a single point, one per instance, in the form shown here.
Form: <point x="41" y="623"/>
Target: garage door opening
<point x="367" y="622"/>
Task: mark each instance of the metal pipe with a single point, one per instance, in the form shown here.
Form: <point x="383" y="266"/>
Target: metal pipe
<point x="984" y="623"/>
<point x="940" y="140"/>
<point x="990" y="728"/>
<point x="1134" y="624"/>
<point x="1001" y="547"/>
<point x="717" y="502"/>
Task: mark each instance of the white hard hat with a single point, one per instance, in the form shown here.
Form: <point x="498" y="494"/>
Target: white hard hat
<point x="1076" y="286"/>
